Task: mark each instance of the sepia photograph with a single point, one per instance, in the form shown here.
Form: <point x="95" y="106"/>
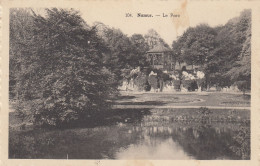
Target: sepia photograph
<point x="95" y="83"/>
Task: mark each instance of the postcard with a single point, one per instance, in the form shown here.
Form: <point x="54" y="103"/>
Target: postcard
<point x="130" y="82"/>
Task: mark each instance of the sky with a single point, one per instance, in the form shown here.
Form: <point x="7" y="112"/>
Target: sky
<point x="191" y="13"/>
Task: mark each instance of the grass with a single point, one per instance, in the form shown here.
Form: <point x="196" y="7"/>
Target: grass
<point x="152" y="99"/>
<point x="187" y="99"/>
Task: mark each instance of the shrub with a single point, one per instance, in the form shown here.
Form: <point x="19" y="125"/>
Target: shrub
<point x="187" y="83"/>
<point x="176" y="84"/>
<point x="243" y="85"/>
<point x="147" y="86"/>
<point x="141" y="81"/>
<point x="153" y="81"/>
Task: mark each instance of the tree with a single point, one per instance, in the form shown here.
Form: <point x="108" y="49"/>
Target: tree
<point x="137" y="57"/>
<point x="61" y="76"/>
<point x="177" y="51"/>
<point x="223" y="53"/>
<point x="241" y="71"/>
<point x="119" y="47"/>
<point x="20" y="33"/>
<point x="195" y="46"/>
<point x="124" y="53"/>
<point x="199" y="43"/>
<point x="153" y="39"/>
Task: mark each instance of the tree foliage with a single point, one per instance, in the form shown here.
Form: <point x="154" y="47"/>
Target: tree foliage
<point x="195" y="44"/>
<point x="153" y="39"/>
<point x="125" y="53"/>
<point x="223" y="52"/>
<point x="241" y="72"/>
<point x="59" y="67"/>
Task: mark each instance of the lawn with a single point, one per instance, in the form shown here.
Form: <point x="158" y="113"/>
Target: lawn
<point x="185" y="99"/>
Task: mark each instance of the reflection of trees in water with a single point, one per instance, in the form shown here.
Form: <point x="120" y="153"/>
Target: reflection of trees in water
<point x="205" y="143"/>
<point x="202" y="140"/>
<point x="88" y="143"/>
<point x="242" y="146"/>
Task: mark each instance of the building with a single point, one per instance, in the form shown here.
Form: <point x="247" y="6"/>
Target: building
<point x="161" y="57"/>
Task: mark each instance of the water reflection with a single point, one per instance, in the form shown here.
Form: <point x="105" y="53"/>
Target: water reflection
<point x="153" y="149"/>
<point x="184" y="141"/>
<point x="156" y="136"/>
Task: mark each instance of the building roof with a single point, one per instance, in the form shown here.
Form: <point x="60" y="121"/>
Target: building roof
<point x="159" y="49"/>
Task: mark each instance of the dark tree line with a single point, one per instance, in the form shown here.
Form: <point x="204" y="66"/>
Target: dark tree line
<point x="223" y="53"/>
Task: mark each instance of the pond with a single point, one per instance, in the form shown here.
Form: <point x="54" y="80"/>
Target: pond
<point x="170" y="134"/>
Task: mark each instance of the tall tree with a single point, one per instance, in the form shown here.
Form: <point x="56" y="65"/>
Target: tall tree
<point x="240" y="73"/>
<point x="139" y="49"/>
<point x="153" y="39"/>
<point x="125" y="53"/>
<point x="222" y="52"/>
<point x="21" y="23"/>
<point x="62" y="77"/>
<point x="195" y="47"/>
